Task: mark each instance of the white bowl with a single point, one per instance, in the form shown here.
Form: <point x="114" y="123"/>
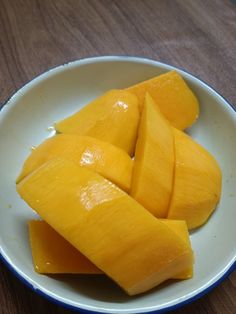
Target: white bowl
<point x="24" y="122"/>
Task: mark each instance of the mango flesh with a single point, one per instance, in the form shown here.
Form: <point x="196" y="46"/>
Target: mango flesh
<point x="106" y="225"/>
<point x="197" y="184"/>
<point x="181" y="229"/>
<point x="110" y="161"/>
<point x="152" y="178"/>
<point x="112" y="118"/>
<point x="173" y="97"/>
<point x="52" y="254"/>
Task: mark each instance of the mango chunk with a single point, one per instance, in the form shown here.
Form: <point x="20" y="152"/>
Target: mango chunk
<point x="152" y="177"/>
<point x="110" y="161"/>
<point x="181" y="229"/>
<point x="106" y="225"/>
<point x="112" y="118"/>
<point x="173" y="96"/>
<point x="52" y="254"/>
<point x="197" y="183"/>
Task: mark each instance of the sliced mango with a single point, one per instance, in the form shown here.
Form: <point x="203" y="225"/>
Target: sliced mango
<point x="172" y="95"/>
<point x="106" y="225"/>
<point x="112" y="118"/>
<point x="197" y="183"/>
<point x="181" y="229"/>
<point x="152" y="178"/>
<point x="110" y="161"/>
<point x="52" y="254"/>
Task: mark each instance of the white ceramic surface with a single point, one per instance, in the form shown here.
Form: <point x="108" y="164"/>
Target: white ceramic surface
<point x="59" y="92"/>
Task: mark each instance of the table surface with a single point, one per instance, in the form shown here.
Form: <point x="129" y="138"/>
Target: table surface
<point x="36" y="35"/>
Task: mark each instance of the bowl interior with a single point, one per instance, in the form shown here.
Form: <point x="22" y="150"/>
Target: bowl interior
<point x="25" y="122"/>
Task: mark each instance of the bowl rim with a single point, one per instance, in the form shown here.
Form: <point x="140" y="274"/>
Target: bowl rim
<point x="99" y="59"/>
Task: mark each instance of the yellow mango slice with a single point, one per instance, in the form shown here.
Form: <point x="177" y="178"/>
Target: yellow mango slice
<point x="181" y="229"/>
<point x="52" y="254"/>
<point x="113" y="118"/>
<point x="106" y="225"/>
<point x="172" y="95"/>
<point x="152" y="178"/>
<point x="110" y="161"/>
<point x="197" y="183"/>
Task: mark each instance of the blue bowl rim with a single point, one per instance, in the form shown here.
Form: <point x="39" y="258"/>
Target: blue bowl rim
<point x="127" y="58"/>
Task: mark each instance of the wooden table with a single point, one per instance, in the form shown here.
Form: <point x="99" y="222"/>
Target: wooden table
<point x="36" y="35"/>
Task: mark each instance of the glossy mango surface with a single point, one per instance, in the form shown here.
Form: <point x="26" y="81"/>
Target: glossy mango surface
<point x="111" y="229"/>
<point x="112" y="117"/>
<point x="52" y="254"/>
<point x="110" y="161"/>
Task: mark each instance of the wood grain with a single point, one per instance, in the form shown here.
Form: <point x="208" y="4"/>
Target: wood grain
<point x="35" y="35"/>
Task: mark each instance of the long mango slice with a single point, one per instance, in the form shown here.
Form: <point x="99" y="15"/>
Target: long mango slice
<point x="173" y="97"/>
<point x="153" y="173"/>
<point x="106" y="225"/>
<point x="110" y="161"/>
<point x="197" y="183"/>
<point x="52" y="254"/>
<point x="112" y="118"/>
